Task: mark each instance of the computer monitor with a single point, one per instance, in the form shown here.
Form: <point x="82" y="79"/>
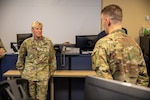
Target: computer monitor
<point x="85" y="42"/>
<point x="103" y="89"/>
<point x="21" y="37"/>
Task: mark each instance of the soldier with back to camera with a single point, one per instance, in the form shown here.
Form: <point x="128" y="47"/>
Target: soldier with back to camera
<point x="117" y="56"/>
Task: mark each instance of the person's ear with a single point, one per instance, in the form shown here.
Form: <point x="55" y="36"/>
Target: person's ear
<point x="108" y="21"/>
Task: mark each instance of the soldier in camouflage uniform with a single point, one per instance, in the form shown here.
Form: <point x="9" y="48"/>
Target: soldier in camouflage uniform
<point x="117" y="56"/>
<point x="2" y="50"/>
<point x="37" y="61"/>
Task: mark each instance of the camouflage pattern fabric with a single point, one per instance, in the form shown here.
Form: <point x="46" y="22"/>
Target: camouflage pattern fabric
<point x="119" y="57"/>
<point x="2" y="48"/>
<point x="37" y="62"/>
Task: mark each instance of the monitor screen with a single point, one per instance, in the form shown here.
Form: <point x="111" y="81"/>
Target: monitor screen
<point x="22" y="37"/>
<point x="86" y="42"/>
<point x="103" y="89"/>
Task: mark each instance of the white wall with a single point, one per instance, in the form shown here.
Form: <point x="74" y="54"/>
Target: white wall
<point x="62" y="19"/>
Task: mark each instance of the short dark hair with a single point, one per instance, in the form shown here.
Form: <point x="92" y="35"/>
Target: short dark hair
<point x="114" y="11"/>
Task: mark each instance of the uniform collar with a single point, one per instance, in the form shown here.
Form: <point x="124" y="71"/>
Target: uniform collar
<point x="118" y="30"/>
<point x="41" y="38"/>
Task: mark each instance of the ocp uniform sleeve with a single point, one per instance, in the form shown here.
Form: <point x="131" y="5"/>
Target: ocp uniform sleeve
<point x="100" y="64"/>
<point x="143" y="78"/>
<point x="2" y="48"/>
<point x="52" y="59"/>
<point x="21" y="57"/>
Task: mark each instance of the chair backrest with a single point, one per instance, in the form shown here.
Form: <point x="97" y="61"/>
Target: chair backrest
<point x="16" y="89"/>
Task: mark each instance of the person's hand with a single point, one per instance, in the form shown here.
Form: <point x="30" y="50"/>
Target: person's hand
<point x="2" y="51"/>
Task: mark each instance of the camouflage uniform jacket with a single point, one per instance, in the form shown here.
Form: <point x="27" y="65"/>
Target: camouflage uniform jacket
<point x="119" y="57"/>
<point x="2" y="47"/>
<point x="36" y="59"/>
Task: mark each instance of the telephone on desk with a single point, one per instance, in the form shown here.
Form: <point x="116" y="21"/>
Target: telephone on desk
<point x="66" y="49"/>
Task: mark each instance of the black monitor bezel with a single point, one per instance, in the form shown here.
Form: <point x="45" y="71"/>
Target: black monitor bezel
<point x="86" y="42"/>
<point x="21" y="37"/>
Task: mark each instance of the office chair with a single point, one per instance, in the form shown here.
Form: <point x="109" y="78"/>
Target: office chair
<point x="15" y="89"/>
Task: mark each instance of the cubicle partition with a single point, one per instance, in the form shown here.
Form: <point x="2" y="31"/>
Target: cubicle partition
<point x="71" y="88"/>
<point x="64" y="88"/>
<point x="7" y="63"/>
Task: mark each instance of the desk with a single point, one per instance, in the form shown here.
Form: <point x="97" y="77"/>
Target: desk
<point x="72" y="87"/>
<point x="58" y="73"/>
<point x="11" y="74"/>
